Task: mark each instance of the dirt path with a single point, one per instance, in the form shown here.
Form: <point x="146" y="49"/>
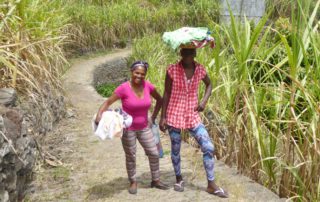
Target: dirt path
<point x="95" y="171"/>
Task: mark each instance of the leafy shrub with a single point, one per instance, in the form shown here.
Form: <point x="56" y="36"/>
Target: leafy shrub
<point x="106" y="89"/>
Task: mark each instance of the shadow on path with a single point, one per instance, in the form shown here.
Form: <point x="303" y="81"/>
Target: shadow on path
<point x="111" y="188"/>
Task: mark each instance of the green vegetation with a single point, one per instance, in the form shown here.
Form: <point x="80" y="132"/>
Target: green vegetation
<point x="266" y="92"/>
<point x="100" y="24"/>
<point x="37" y="35"/>
<point x="106" y="90"/>
<point x="31" y="35"/>
<point x="61" y="174"/>
<point x="265" y="76"/>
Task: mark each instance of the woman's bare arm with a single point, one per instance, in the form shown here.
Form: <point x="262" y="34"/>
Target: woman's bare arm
<point x="105" y="106"/>
<point x="166" y="98"/>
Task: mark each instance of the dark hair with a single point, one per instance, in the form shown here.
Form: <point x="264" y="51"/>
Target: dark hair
<point x="139" y="63"/>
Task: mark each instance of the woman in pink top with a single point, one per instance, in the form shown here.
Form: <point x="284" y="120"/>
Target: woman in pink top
<point x="135" y="96"/>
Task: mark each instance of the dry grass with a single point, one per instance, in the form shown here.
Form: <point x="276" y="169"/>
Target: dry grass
<point x="31" y="54"/>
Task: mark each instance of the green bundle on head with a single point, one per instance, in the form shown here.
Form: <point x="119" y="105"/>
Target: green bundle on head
<point x="189" y="37"/>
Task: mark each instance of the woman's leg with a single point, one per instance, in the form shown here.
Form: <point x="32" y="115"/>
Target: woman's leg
<point x="175" y="136"/>
<point x="201" y="135"/>
<point x="146" y="140"/>
<point x="129" y="146"/>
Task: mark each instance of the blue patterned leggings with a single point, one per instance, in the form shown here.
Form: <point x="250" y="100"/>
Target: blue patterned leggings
<point x="201" y="135"/>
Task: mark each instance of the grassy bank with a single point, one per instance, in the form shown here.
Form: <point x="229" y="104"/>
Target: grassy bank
<point x="101" y="24"/>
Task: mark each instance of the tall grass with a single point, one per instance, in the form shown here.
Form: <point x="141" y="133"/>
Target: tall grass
<point x="103" y="24"/>
<point x="36" y="35"/>
<point x="283" y="8"/>
<point x="31" y="54"/>
<point x="280" y="8"/>
<point x="266" y="93"/>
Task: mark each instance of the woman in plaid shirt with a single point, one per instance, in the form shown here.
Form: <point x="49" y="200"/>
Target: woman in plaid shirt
<point x="180" y="111"/>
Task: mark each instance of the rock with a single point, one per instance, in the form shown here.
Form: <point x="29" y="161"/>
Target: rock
<point x="35" y="114"/>
<point x="11" y="130"/>
<point x="17" y="154"/>
<point x="70" y="113"/>
<point x="14" y="115"/>
<point x="113" y="72"/>
<point x="26" y="147"/>
<point x="4" y="150"/>
<point x="18" y="151"/>
<point x="1" y="123"/>
<point x="12" y="121"/>
<point x="4" y="196"/>
<point x="8" y="97"/>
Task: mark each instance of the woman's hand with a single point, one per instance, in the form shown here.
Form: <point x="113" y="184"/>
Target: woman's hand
<point x="163" y="124"/>
<point x="157" y="108"/>
<point x="200" y="107"/>
<point x="153" y="120"/>
<point x="206" y="96"/>
<point x="105" y="106"/>
<point x="98" y="118"/>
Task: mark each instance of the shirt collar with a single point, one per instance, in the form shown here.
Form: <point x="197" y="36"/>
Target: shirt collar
<point x="195" y="64"/>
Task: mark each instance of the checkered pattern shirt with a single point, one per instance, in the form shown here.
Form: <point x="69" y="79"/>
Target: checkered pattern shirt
<point x="184" y="97"/>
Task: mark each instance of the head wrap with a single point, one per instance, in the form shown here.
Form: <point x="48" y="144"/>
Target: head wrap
<point x="139" y="63"/>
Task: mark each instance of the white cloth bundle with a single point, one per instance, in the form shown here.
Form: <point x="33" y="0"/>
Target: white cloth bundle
<point x="111" y="124"/>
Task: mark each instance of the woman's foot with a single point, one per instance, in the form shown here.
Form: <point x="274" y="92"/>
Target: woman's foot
<point x="133" y="189"/>
<point x="159" y="185"/>
<point x="215" y="190"/>
<point x="179" y="186"/>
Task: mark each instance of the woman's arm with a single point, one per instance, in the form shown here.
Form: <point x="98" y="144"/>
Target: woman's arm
<point x="166" y="98"/>
<point x="105" y="106"/>
<point x="157" y="108"/>
<point x="207" y="94"/>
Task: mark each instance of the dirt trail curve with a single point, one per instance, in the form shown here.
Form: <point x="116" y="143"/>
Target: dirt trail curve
<point x="95" y="171"/>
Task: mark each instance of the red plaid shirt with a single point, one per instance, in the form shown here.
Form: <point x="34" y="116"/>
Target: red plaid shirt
<point x="184" y="97"/>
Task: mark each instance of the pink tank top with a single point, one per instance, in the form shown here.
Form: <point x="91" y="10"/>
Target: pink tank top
<point x="135" y="106"/>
